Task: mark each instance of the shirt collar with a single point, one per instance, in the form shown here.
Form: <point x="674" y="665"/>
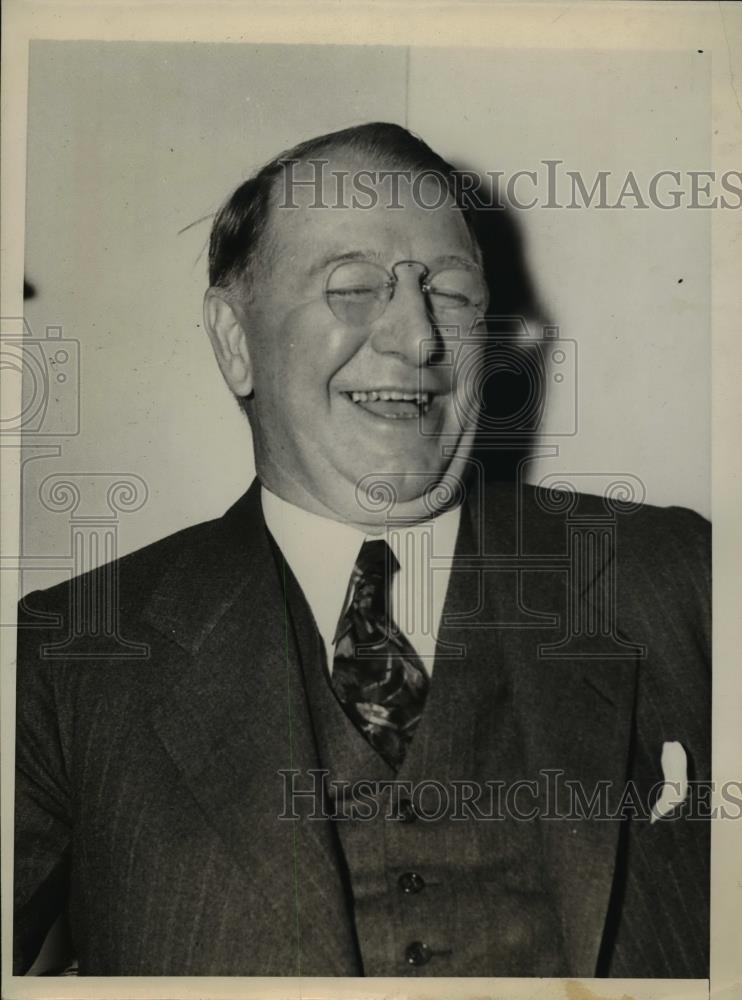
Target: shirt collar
<point x="322" y="552"/>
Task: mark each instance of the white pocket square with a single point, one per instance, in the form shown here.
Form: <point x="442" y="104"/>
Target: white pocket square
<point x="675" y="775"/>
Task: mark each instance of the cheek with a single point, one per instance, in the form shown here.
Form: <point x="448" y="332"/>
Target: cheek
<point x="302" y="354"/>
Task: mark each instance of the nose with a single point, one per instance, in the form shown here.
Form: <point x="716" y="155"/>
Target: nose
<point x="405" y="323"/>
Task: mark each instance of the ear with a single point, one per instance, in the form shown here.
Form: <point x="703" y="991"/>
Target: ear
<point x="228" y="338"/>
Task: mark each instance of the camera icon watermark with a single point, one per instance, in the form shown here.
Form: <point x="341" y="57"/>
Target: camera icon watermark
<point x="49" y="369"/>
<point x="482" y="362"/>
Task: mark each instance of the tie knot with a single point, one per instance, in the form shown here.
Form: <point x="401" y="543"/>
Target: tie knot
<point x="376" y="558"/>
<point x="371" y="583"/>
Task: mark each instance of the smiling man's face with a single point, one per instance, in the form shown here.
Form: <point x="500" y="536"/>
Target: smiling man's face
<point x="334" y="402"/>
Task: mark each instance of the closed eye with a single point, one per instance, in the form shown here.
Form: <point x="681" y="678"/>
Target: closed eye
<point x="358" y="292"/>
<point x="449" y="299"/>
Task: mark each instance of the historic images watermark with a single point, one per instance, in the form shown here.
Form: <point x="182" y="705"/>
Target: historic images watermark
<point x="467" y="360"/>
<point x="551" y="795"/>
<point x="550" y="185"/>
<point x="49" y="367"/>
<point x="48" y="413"/>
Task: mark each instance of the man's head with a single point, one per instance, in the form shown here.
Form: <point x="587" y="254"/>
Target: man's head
<point x="338" y="274"/>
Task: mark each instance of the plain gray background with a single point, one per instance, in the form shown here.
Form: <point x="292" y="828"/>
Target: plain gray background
<point x="131" y="143"/>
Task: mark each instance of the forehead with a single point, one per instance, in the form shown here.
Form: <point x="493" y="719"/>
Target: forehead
<point x="344" y="204"/>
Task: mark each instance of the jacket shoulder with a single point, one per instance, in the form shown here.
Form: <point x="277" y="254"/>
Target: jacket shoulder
<point x="134" y="575"/>
<point x="661" y="556"/>
<point x="636" y="521"/>
<point x="657" y="553"/>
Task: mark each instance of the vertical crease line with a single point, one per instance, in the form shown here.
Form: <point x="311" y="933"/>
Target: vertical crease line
<point x="291" y="764"/>
<point x="407" y="88"/>
<point x="410" y="611"/>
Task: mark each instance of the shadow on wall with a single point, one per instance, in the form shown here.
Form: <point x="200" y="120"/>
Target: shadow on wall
<point x="512" y="388"/>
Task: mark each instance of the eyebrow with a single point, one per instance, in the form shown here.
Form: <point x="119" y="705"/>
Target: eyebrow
<point x="333" y="257"/>
<point x="454" y="259"/>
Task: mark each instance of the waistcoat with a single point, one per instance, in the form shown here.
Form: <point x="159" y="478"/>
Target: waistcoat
<point x="443" y="878"/>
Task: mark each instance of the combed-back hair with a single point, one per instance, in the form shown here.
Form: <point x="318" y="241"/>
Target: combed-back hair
<point x="241" y="222"/>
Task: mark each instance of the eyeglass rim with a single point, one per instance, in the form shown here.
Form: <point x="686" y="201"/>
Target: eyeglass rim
<point x="425" y="277"/>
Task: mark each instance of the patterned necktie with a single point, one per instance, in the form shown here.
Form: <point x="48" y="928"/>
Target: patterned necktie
<point x="377" y="676"/>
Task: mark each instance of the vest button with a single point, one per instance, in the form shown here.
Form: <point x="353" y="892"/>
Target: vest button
<point x="411" y="882"/>
<point x="417" y="953"/>
<point x="406" y="813"/>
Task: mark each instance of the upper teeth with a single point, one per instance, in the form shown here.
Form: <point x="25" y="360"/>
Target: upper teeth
<point x="373" y="395"/>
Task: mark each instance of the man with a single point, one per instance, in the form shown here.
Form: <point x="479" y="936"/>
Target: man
<point x="392" y="720"/>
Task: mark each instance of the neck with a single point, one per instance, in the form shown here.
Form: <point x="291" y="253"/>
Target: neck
<point x="377" y="510"/>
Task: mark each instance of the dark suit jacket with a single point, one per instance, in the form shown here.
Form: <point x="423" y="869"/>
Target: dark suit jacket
<point x="147" y="785"/>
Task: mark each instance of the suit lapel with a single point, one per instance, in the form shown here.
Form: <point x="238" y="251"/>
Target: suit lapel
<point x="233" y="716"/>
<point x="574" y="715"/>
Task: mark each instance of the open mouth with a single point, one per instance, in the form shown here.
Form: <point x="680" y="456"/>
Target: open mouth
<point x="391" y="404"/>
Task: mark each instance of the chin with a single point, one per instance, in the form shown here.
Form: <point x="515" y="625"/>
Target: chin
<point x="380" y="491"/>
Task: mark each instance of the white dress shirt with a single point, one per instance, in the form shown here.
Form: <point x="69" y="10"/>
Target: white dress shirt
<point x="322" y="552"/>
